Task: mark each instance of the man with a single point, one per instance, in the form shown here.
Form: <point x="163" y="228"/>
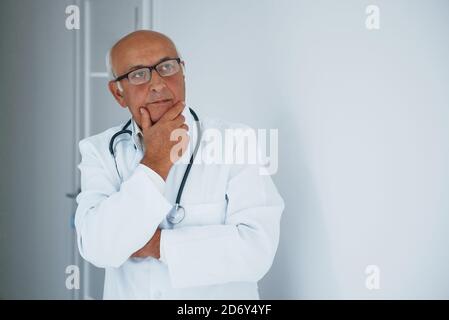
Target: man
<point x="229" y="233"/>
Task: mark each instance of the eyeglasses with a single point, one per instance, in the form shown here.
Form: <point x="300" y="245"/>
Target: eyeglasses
<point x="142" y="75"/>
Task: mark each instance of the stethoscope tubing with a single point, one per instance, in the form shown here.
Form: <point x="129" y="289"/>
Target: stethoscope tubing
<point x="177" y="214"/>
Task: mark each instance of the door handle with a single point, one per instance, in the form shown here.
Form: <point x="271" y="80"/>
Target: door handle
<point x="73" y="195"/>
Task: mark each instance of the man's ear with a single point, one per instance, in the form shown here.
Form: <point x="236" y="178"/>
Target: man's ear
<point x="118" y="94"/>
<point x="183" y="67"/>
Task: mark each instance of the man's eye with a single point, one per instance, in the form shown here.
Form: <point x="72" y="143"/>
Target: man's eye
<point x="166" y="67"/>
<point x="140" y="74"/>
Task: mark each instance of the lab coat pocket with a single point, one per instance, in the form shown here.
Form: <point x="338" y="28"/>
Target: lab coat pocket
<point x="203" y="214"/>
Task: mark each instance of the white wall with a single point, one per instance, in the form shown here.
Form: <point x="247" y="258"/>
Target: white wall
<point x="363" y="119"/>
<point x="363" y="122"/>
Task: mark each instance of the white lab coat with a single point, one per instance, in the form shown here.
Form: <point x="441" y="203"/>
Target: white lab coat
<point x="224" y="245"/>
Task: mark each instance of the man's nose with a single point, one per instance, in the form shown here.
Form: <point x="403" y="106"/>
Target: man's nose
<point x="156" y="82"/>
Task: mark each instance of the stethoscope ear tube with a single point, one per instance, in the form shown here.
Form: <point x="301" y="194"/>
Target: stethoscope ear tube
<point x="124" y="130"/>
<point x="177" y="214"/>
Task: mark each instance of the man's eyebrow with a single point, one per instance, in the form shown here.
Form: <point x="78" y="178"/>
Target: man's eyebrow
<point x="132" y="68"/>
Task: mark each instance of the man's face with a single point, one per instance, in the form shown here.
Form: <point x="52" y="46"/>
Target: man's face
<point x="160" y="93"/>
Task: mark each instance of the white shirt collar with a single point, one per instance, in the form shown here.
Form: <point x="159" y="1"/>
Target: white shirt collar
<point x="137" y="135"/>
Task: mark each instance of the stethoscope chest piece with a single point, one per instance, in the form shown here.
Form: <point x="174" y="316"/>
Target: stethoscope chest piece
<point x="176" y="214"/>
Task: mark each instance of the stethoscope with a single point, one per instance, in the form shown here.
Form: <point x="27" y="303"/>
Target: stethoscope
<point x="177" y="213"/>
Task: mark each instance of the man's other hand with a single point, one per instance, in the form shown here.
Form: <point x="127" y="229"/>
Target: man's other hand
<point x="151" y="249"/>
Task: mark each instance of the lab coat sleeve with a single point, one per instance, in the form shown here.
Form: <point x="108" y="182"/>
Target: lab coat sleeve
<point x="242" y="249"/>
<point x="114" y="221"/>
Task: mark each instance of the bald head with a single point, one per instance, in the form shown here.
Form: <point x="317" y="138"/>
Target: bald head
<point x="147" y="41"/>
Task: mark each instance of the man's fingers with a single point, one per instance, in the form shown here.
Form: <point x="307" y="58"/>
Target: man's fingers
<point x="174" y="111"/>
<point x="178" y="121"/>
<point x="139" y="253"/>
<point x="145" y="118"/>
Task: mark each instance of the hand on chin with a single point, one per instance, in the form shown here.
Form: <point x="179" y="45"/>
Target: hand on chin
<point x="157" y="110"/>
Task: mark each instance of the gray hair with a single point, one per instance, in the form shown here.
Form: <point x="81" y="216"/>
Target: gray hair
<point x="111" y="74"/>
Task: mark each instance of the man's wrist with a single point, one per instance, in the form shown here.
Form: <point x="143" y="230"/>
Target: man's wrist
<point x="157" y="244"/>
<point x="162" y="257"/>
<point x="159" y="169"/>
